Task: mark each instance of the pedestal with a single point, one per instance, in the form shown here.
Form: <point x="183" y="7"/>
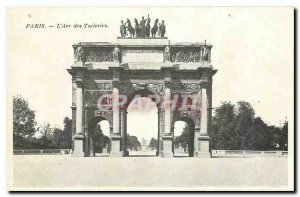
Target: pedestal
<point x="126" y="153"/>
<point x="167" y="146"/>
<point x="203" y="147"/>
<point x="78" y="146"/>
<point x="116" y="146"/>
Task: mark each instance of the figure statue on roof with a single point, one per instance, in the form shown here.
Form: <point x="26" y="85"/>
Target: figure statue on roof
<point x="148" y="27"/>
<point x="130" y="28"/>
<point x="79" y="54"/>
<point x="143" y="27"/>
<point x="154" y="28"/>
<point x="122" y="29"/>
<point x="162" y="29"/>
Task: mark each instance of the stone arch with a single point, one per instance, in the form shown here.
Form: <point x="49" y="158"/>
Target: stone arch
<point x="143" y="92"/>
<point x="92" y="123"/>
<point x="191" y="125"/>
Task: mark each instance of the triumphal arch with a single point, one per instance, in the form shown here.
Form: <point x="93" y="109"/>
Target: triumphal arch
<point x="147" y="67"/>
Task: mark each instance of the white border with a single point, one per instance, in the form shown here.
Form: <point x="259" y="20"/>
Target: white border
<point x="56" y="3"/>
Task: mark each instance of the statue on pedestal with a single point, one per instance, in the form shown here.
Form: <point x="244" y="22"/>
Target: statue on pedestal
<point x="79" y="54"/>
<point x="116" y="53"/>
<point x="205" y="53"/>
<point x="167" y="53"/>
<point x="143" y="28"/>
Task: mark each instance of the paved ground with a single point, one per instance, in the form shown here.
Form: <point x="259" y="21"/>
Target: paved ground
<point x="101" y="173"/>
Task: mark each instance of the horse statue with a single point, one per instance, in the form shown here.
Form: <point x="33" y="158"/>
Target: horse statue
<point x="130" y="28"/>
<point x="154" y="28"/>
<point x="137" y="28"/>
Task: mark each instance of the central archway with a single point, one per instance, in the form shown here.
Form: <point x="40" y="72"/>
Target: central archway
<point x="142" y="124"/>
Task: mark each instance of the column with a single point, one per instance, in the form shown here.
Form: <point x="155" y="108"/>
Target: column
<point x="123" y="123"/>
<point x="167" y="136"/>
<point x="203" y="138"/>
<point x="86" y="134"/>
<point x="78" y="137"/>
<point x="159" y="141"/>
<point x="115" y="136"/>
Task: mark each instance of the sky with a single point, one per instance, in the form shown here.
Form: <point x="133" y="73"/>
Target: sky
<point x="252" y="50"/>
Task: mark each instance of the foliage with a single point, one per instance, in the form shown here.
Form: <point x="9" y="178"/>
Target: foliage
<point x="282" y="137"/>
<point x="100" y="140"/>
<point x="23" y="122"/>
<point x="223" y="133"/>
<point x="67" y="134"/>
<point x="132" y="143"/>
<point x="153" y="144"/>
<point x="237" y="128"/>
<point x="183" y="139"/>
<point x="244" y="121"/>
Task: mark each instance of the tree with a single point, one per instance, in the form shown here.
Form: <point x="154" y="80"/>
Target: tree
<point x="100" y="141"/>
<point x="132" y="143"/>
<point x="46" y="136"/>
<point x="153" y="144"/>
<point x="259" y="136"/>
<point x="223" y="133"/>
<point x="236" y="127"/>
<point x="282" y="137"/>
<point x="244" y="121"/>
<point x="183" y="139"/>
<point x="23" y="122"/>
<point x="57" y="138"/>
<point x="67" y="134"/>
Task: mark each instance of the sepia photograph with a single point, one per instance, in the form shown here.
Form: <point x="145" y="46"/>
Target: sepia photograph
<point x="150" y="98"/>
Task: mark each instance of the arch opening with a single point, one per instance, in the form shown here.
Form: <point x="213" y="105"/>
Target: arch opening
<point x="99" y="137"/>
<point x="142" y="125"/>
<point x="184" y="133"/>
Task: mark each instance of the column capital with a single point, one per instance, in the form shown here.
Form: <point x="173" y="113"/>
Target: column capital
<point x="78" y="83"/>
<point x="168" y="84"/>
<point x="204" y="84"/>
<point x="116" y="83"/>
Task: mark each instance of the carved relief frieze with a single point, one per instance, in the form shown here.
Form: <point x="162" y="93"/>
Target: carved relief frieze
<point x="184" y="55"/>
<point x="92" y="96"/>
<point x="185" y="86"/>
<point x="99" y="56"/>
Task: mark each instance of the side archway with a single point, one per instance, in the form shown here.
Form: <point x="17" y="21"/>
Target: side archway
<point x="99" y="129"/>
<point x="184" y="136"/>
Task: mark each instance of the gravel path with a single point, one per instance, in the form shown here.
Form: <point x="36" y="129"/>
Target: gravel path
<point x="62" y="172"/>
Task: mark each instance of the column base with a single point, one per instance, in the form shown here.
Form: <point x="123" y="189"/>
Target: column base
<point x="203" y="154"/>
<point x="116" y="154"/>
<point x="78" y="154"/>
<point x="126" y="153"/>
<point x="157" y="153"/>
<point x="116" y="146"/>
<point x="167" y="146"/>
<point x="203" y="146"/>
<point x="78" y="146"/>
<point x="167" y="155"/>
